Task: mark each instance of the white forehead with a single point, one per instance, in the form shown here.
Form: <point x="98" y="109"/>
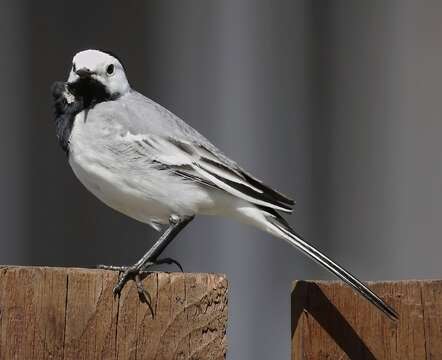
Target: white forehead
<point x="93" y="58"/>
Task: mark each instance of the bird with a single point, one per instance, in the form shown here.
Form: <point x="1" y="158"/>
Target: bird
<point x="145" y="162"/>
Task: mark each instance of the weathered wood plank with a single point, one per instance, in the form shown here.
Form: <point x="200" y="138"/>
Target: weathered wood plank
<point x="329" y="321"/>
<point x="59" y="313"/>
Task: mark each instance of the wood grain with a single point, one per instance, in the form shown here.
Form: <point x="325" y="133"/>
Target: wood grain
<point x="330" y="321"/>
<point x="60" y="313"/>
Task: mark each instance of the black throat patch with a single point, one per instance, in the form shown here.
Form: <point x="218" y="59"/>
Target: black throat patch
<point x="90" y="92"/>
<point x="86" y="93"/>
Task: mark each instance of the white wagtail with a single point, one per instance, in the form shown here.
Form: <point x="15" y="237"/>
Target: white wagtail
<point x="145" y="162"/>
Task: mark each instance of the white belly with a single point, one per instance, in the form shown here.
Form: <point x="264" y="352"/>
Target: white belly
<point x="141" y="192"/>
<point x="118" y="194"/>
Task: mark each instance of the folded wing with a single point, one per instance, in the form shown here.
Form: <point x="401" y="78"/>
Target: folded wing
<point x="196" y="162"/>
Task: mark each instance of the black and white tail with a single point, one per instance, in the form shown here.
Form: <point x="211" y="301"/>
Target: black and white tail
<point x="273" y="223"/>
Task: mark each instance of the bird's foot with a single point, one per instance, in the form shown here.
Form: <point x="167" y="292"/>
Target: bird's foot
<point x="136" y="272"/>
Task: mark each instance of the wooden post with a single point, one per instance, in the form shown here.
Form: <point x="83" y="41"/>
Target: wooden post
<point x="330" y="321"/>
<point x="59" y="313"/>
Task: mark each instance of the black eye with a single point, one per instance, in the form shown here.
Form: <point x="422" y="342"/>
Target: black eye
<point x="110" y="69"/>
<point x="74" y="68"/>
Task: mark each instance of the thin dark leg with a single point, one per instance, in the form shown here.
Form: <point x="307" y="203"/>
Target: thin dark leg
<point x="176" y="225"/>
<point x="150" y="258"/>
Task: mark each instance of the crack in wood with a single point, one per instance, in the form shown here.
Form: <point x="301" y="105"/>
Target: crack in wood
<point x="71" y="314"/>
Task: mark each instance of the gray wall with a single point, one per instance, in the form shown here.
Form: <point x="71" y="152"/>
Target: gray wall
<point x="336" y="103"/>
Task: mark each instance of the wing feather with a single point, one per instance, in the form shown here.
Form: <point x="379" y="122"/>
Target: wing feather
<point x="196" y="162"/>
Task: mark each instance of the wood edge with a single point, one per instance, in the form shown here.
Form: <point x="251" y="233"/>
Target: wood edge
<point x="368" y="282"/>
<point x="98" y="271"/>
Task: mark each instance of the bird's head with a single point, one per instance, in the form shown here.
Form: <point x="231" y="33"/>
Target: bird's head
<point x="97" y="76"/>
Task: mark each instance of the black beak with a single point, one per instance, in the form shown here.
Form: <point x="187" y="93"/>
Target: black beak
<point x="84" y="73"/>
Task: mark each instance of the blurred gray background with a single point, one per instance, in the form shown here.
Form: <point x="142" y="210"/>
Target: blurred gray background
<point x="335" y="103"/>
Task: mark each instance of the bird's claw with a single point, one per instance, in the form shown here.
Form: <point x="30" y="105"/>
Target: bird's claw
<point x="112" y="267"/>
<point x="135" y="272"/>
<point x="168" y="261"/>
<point x="126" y="273"/>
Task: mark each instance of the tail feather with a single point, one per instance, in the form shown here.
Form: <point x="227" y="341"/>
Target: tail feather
<point x="288" y="234"/>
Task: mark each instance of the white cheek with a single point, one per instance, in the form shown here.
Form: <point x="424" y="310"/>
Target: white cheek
<point x="113" y="85"/>
<point x="119" y="84"/>
<point x="100" y="78"/>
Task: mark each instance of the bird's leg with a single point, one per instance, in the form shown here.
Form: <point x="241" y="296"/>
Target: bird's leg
<point x="150" y="258"/>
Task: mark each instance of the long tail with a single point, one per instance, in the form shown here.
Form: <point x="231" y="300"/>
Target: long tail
<point x="273" y="223"/>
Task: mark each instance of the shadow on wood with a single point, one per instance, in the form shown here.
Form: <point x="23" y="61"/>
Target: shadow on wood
<point x="330" y="321"/>
<point x="328" y="317"/>
<point x="59" y="313"/>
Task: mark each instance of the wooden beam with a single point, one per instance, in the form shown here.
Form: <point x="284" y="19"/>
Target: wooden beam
<point x="61" y="313"/>
<point x="330" y="321"/>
